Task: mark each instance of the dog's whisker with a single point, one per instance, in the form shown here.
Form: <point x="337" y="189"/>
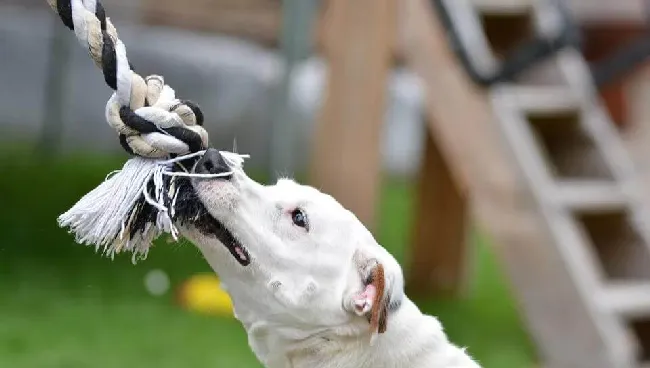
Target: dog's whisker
<point x="195" y="175"/>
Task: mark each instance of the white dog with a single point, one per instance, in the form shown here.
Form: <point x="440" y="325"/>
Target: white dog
<point x="299" y="267"/>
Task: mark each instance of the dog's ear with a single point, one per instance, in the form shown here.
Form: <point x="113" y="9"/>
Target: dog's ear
<point x="379" y="309"/>
<point x="382" y="288"/>
<point x="368" y="258"/>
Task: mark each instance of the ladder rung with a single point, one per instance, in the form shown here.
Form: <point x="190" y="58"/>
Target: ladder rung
<point x="589" y="195"/>
<point x="542" y="100"/>
<point x="626" y="299"/>
<point x="503" y="6"/>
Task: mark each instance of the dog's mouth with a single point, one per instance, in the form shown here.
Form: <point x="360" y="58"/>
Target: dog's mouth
<point x="211" y="226"/>
<point x="190" y="210"/>
<point x="187" y="209"/>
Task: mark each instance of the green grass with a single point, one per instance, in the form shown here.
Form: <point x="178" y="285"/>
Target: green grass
<point x="62" y="305"/>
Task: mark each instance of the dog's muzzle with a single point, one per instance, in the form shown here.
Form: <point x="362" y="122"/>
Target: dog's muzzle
<point x="211" y="163"/>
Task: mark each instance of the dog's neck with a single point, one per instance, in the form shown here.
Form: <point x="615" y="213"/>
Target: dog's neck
<point x="347" y="345"/>
<point x="282" y="340"/>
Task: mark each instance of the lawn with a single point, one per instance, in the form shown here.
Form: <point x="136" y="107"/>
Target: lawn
<point x="62" y="305"/>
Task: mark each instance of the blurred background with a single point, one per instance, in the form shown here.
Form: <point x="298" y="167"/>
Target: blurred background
<point x="498" y="148"/>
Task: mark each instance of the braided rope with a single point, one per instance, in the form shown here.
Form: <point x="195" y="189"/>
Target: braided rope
<point x="137" y="204"/>
<point x="150" y="121"/>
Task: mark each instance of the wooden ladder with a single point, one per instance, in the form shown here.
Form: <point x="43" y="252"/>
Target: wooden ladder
<point x="561" y="174"/>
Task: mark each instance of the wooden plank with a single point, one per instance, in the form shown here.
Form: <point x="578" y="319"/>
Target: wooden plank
<point x="346" y="157"/>
<point x="256" y="20"/>
<point x="438" y="253"/>
<point x="504" y="6"/>
<point x="630" y="299"/>
<point x="461" y="120"/>
<point x="607" y="11"/>
<point x="598" y="11"/>
<point x="545" y="100"/>
<point x="589" y="196"/>
<point x="601" y="11"/>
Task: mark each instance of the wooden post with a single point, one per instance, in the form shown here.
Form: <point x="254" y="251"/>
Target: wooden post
<point x="437" y="261"/>
<point x="357" y="41"/>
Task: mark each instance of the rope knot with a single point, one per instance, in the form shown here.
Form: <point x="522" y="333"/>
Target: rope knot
<point x="138" y="203"/>
<point x="149" y="119"/>
<point x="156" y="124"/>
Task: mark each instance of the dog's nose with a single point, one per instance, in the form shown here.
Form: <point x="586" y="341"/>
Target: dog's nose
<point x="211" y="163"/>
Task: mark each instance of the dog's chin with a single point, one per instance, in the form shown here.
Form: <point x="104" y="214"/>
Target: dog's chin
<point x="192" y="212"/>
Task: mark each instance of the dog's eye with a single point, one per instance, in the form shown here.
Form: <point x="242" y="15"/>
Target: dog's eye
<point x="299" y="218"/>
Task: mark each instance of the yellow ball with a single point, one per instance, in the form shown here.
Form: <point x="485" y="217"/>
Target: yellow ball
<point x="203" y="294"/>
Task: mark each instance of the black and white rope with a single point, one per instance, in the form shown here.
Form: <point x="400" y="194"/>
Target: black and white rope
<point x="150" y="120"/>
<point x="134" y="206"/>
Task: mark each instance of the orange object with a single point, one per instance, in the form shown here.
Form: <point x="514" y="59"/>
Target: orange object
<point x="601" y="40"/>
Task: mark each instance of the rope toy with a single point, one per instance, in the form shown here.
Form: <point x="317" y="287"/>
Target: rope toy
<point x="150" y="121"/>
<point x="136" y="204"/>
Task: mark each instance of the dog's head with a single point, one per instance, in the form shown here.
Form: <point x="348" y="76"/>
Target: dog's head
<point x="288" y="254"/>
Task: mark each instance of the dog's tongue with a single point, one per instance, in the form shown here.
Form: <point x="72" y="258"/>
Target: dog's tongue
<point x="241" y="254"/>
<point x="238" y="252"/>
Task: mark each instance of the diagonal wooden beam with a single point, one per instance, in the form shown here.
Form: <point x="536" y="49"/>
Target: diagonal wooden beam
<point x="464" y="126"/>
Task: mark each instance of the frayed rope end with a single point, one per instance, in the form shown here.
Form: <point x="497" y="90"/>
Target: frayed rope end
<point x="100" y="218"/>
<point x="132" y="207"/>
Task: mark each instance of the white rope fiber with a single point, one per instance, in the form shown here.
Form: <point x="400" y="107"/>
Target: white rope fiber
<point x="152" y="124"/>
